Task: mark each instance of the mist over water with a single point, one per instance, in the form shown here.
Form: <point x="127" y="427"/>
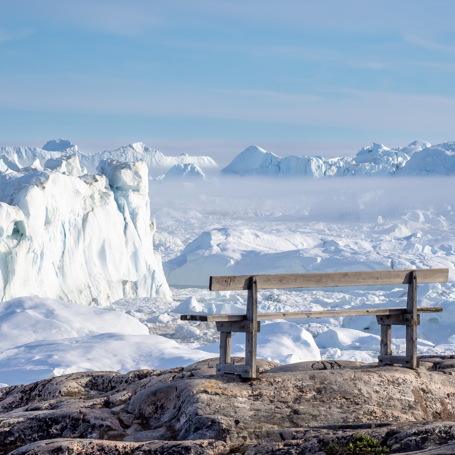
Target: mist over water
<point x="332" y="200"/>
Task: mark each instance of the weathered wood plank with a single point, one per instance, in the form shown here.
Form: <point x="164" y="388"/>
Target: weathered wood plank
<point x="251" y="337"/>
<point x="213" y="317"/>
<point x="395" y="360"/>
<point x="237" y="326"/>
<point x="386" y="339"/>
<point x="411" y="330"/>
<point x="319" y="280"/>
<point x="225" y="347"/>
<point x="399" y="319"/>
<point x="243" y="370"/>
<point x="306" y="314"/>
<point x="342" y="313"/>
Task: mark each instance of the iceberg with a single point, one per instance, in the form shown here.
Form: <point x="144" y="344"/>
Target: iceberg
<point x="25" y="156"/>
<point x="377" y="160"/>
<point x="185" y="171"/>
<point x="436" y="160"/>
<point x="156" y="161"/>
<point x="60" y="145"/>
<point x="77" y="237"/>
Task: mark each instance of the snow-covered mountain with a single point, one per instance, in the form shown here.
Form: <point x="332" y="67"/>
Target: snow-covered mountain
<point x="83" y="238"/>
<point x="156" y="161"/>
<point x="418" y="158"/>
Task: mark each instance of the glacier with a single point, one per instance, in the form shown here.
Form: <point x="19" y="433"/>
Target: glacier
<point x="417" y="159"/>
<point x="68" y="235"/>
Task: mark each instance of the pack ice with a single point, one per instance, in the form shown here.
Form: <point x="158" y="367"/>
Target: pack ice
<point x="418" y="158"/>
<point x="72" y="236"/>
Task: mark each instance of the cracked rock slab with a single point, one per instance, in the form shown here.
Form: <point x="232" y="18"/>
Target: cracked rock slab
<point x="193" y="404"/>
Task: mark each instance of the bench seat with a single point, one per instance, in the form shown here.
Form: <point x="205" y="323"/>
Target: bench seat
<point x="306" y="314"/>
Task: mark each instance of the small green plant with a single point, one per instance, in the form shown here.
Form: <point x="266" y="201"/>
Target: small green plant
<point x="362" y="444"/>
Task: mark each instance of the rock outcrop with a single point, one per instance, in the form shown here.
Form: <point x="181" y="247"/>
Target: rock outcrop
<point x="291" y="409"/>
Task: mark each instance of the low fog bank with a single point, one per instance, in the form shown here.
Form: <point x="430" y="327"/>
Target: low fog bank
<point x="347" y="200"/>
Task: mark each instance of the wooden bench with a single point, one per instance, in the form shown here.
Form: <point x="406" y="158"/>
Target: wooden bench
<point x="387" y="317"/>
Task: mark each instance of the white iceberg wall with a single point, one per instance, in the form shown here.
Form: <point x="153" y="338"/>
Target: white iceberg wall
<point x="76" y="238"/>
<point x="436" y="160"/>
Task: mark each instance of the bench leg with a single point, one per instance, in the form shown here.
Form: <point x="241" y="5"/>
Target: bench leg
<point x="251" y="338"/>
<point x="411" y="330"/>
<point x="386" y="339"/>
<point x="225" y="347"/>
<point x="411" y="320"/>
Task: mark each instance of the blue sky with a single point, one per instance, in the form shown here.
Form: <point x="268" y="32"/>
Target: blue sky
<point x="293" y="76"/>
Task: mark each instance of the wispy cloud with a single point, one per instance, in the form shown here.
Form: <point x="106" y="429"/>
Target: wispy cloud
<point x="6" y="35"/>
<point x="288" y="51"/>
<point x="427" y="44"/>
<point x="335" y="107"/>
<point x="112" y="16"/>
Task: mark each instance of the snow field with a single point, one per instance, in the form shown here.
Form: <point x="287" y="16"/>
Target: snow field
<point x="43" y="338"/>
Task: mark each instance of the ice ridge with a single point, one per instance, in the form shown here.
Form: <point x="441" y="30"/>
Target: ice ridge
<point x="418" y="158"/>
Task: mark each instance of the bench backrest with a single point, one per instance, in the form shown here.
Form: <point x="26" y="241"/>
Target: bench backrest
<point x="322" y="280"/>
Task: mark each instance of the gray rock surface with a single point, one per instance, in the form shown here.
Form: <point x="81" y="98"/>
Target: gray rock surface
<point x="292" y="409"/>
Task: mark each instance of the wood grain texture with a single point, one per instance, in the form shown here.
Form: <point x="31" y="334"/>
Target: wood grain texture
<point x="386" y="340"/>
<point x="306" y="314"/>
<point x="252" y="336"/>
<point x="320" y="280"/>
<point x="225" y="347"/>
<point x="411" y="330"/>
<point x="342" y="313"/>
<point x="237" y="326"/>
<point x="213" y="317"/>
